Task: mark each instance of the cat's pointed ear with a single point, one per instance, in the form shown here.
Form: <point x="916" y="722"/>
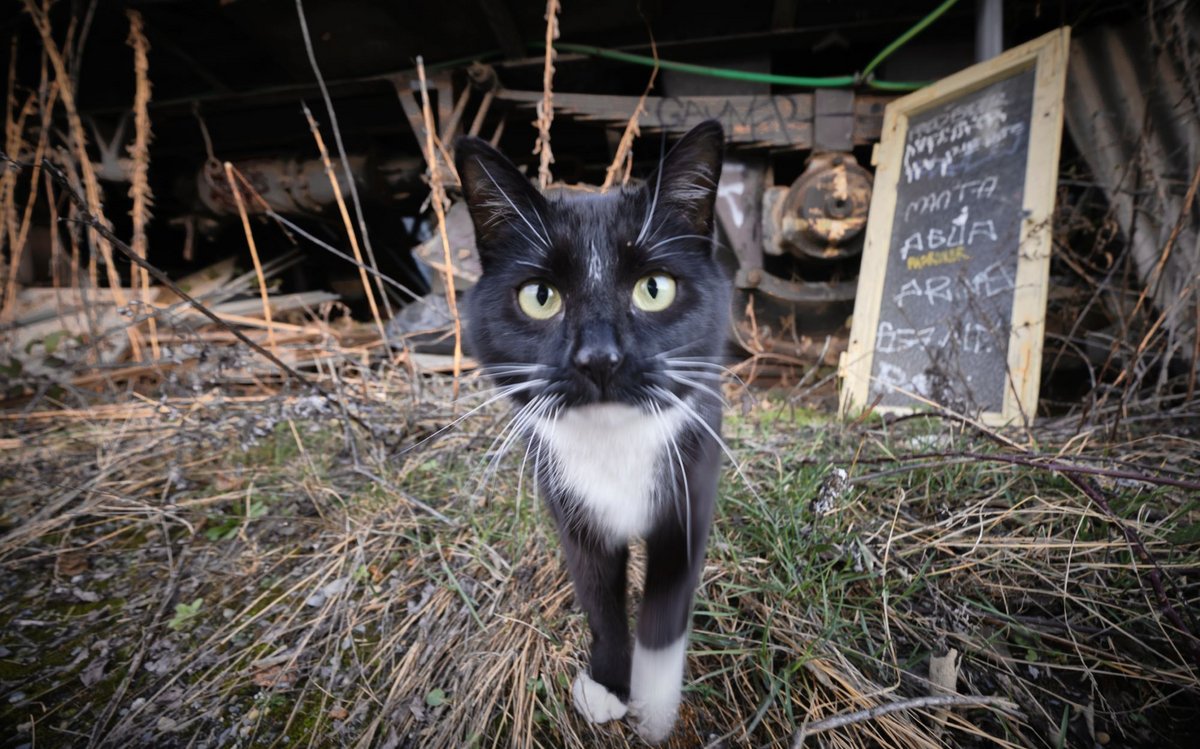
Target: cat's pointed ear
<point x="686" y="182"/>
<point x="500" y="198"/>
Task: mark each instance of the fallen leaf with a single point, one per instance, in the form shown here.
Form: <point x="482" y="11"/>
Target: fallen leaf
<point x="227" y="481"/>
<point x="71" y="563"/>
<point x="94" y="672"/>
<point x="274" y="676"/>
<point x="435" y="697"/>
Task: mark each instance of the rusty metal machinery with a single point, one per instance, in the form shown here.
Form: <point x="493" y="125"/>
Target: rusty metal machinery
<point x="795" y="246"/>
<point x="822" y="215"/>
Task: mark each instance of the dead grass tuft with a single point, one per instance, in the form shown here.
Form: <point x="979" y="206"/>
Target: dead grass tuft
<point x="260" y="571"/>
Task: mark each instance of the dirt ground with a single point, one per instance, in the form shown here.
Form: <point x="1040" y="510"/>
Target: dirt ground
<point x="237" y="568"/>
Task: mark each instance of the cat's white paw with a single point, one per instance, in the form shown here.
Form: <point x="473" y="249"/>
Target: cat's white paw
<point x="594" y="702"/>
<point x="656" y="689"/>
<point x="653" y="722"/>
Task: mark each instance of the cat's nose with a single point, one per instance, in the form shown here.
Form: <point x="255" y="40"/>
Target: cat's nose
<point x="598" y="355"/>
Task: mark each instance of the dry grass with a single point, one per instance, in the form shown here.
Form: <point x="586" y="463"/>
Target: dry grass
<point x="354" y="591"/>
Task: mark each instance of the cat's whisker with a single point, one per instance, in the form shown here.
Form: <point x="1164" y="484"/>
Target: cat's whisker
<point x="676" y="349"/>
<point x="541" y="270"/>
<point x="545" y="238"/>
<point x="529" y="440"/>
<point x="699" y="421"/>
<point x="677" y="479"/>
<point x="657" y="185"/>
<point x="685" y="362"/>
<point x="500" y="370"/>
<point x="521" y="473"/>
<point x="516" y="427"/>
<point x="506" y="389"/>
<point x="700" y="363"/>
<point x="501" y="393"/>
<point x="696" y="386"/>
<point x="545" y="232"/>
<point x="668" y="491"/>
<point x="702" y="374"/>
<point x="511" y="427"/>
<point x="676" y="238"/>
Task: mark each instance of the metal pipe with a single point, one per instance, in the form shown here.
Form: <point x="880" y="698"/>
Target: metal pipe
<point x="989" y="29"/>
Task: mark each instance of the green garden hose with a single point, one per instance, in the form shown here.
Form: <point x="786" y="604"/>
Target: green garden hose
<point x="838" y="81"/>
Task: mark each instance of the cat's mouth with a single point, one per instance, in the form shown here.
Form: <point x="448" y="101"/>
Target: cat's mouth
<point x="634" y="388"/>
<point x="589" y="391"/>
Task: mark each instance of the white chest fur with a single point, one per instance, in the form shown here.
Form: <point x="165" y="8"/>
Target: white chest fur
<point x="612" y="458"/>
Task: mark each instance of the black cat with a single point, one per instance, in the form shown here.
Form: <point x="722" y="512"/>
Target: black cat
<point x="602" y="317"/>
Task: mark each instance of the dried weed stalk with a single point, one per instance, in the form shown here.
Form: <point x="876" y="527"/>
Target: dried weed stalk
<point x="545" y="107"/>
<point x="139" y="154"/>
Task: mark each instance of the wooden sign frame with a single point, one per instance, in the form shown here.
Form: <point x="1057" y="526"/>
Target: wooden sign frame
<point x="1048" y="56"/>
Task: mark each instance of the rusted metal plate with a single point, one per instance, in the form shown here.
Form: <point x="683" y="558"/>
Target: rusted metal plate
<point x="779" y="121"/>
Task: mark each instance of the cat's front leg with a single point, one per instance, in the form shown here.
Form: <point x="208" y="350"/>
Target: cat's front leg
<point x="598" y="573"/>
<point x="673" y="569"/>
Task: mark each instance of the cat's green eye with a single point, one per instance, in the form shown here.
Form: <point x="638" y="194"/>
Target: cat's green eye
<point x="654" y="293"/>
<point x="539" y="300"/>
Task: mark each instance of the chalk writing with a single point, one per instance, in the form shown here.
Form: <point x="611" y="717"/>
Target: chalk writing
<point x="940" y="200"/>
<point x="952" y="256"/>
<point x="959" y="158"/>
<point x="942" y="257"/>
<point x="993" y="280"/>
<point x="960" y="232"/>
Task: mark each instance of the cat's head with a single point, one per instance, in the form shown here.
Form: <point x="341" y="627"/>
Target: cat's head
<point x="587" y="298"/>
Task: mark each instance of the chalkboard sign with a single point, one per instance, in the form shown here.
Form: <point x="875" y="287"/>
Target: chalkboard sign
<point x="951" y="301"/>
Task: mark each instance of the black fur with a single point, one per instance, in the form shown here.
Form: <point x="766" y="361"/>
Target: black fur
<point x="602" y="349"/>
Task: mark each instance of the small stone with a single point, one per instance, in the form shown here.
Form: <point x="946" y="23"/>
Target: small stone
<point x="86" y="596"/>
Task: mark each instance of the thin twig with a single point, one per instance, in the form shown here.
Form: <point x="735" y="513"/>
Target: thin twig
<point x="397" y="491"/>
<point x="341" y="204"/>
<point x="1034" y="461"/>
<point x="91" y="185"/>
<point x="438" y="198"/>
<point x="624" y="155"/>
<point x="1156" y="573"/>
<point x="341" y="147"/>
<point x="258" y="271"/>
<point x="917" y="703"/>
<point x="90" y="221"/>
